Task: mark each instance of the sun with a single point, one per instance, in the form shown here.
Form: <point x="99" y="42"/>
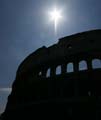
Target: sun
<point x="55" y="16"/>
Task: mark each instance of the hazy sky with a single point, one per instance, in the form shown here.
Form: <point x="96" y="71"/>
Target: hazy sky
<point x="25" y="26"/>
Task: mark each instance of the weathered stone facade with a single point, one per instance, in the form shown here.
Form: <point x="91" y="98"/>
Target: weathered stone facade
<point x="62" y="94"/>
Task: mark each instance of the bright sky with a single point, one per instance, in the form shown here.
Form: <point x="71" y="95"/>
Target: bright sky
<point x="25" y="26"/>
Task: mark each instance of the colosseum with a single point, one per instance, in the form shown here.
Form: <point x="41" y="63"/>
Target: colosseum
<point x="59" y="82"/>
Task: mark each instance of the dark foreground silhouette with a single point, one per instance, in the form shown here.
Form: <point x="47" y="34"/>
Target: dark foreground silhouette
<point x="45" y="88"/>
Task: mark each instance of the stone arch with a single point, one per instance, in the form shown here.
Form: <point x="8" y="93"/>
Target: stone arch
<point x="48" y="72"/>
<point x="70" y="67"/>
<point x="96" y="63"/>
<point x="83" y="65"/>
<point x="58" y="70"/>
<point x="40" y="73"/>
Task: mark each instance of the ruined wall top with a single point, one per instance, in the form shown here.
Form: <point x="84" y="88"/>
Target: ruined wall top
<point x="84" y="42"/>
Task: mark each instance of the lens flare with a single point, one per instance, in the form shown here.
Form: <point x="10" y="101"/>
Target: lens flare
<point x="55" y="16"/>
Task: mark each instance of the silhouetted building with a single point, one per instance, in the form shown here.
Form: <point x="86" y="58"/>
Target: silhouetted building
<point x="59" y="82"/>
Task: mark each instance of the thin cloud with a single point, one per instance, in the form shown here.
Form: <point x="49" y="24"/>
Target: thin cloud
<point x="5" y="89"/>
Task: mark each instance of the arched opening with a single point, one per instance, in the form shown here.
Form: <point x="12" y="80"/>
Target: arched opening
<point x="48" y="73"/>
<point x="69" y="46"/>
<point x="40" y="73"/>
<point x="96" y="63"/>
<point x="70" y="67"/>
<point x="58" y="70"/>
<point x="82" y="65"/>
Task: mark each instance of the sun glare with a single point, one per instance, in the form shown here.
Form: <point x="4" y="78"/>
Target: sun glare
<point x="55" y="16"/>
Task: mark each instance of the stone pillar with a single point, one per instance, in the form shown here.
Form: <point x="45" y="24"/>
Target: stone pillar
<point x="63" y="68"/>
<point x="89" y="63"/>
<point x="76" y="69"/>
<point x="53" y="71"/>
<point x="76" y="66"/>
<point x="44" y="73"/>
